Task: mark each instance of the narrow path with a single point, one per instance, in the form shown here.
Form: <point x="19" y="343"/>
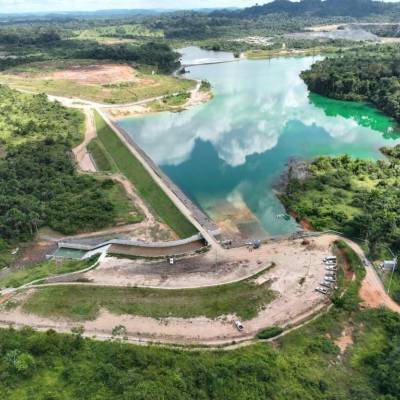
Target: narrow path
<point x="372" y="290"/>
<point x="81" y="153"/>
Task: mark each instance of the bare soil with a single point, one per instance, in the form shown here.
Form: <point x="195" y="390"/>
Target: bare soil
<point x="345" y="340"/>
<point x="98" y="74"/>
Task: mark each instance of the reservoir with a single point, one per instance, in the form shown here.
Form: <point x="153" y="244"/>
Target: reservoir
<point x="228" y="154"/>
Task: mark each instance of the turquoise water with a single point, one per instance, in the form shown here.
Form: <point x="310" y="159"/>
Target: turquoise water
<point x="227" y="154"/>
<point x="69" y="253"/>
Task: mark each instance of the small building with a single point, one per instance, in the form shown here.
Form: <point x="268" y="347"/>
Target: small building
<point x="389" y="265"/>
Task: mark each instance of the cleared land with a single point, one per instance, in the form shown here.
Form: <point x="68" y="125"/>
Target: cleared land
<point x="244" y="299"/>
<point x="292" y="281"/>
<point x="100" y="82"/>
<point x="133" y="170"/>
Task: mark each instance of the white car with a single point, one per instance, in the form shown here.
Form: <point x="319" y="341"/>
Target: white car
<point x="239" y="325"/>
<point x="330" y="279"/>
<point x="330" y="268"/>
<point x="322" y="290"/>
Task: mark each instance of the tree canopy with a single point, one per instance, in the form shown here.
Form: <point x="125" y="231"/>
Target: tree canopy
<point x="38" y="182"/>
<point x="368" y="74"/>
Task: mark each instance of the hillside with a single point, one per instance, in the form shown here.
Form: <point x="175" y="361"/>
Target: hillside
<point x="319" y="8"/>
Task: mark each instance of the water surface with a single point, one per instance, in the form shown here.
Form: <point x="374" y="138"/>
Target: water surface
<point x="227" y="154"/>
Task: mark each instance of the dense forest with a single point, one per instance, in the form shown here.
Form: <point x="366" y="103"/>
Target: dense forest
<point x="275" y="18"/>
<point x="357" y="197"/>
<point x="369" y="74"/>
<point x="38" y="182"/>
<point x="49" y="46"/>
<point x="351" y="8"/>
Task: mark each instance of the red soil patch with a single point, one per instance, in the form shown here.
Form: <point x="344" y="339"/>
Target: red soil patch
<point x="371" y="296"/>
<point x="98" y="74"/>
<point x="348" y="273"/>
<point x="304" y="223"/>
<point x="5" y="298"/>
<point x="345" y="340"/>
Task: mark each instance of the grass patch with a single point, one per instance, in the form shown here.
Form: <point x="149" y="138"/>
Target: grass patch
<point x="245" y="299"/>
<point x="128" y="164"/>
<point x="125" y="211"/>
<point x="43" y="270"/>
<point x="172" y="103"/>
<point x="102" y="159"/>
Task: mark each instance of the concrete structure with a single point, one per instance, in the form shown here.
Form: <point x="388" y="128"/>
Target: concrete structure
<point x="389" y="265"/>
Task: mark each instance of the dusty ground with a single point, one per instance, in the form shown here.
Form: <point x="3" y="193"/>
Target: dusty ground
<point x="296" y="299"/>
<point x="128" y="111"/>
<point x="345" y="340"/>
<point x="215" y="267"/>
<point x="97" y="74"/>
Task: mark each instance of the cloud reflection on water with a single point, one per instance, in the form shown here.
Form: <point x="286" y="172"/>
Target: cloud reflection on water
<point x="248" y="115"/>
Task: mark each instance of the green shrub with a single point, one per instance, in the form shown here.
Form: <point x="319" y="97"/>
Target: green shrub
<point x="270" y="332"/>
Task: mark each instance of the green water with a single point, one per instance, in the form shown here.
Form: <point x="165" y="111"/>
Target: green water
<point x="231" y="150"/>
<point x="69" y="253"/>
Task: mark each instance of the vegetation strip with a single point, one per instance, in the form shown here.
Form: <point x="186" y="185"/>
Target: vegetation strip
<point x="148" y="189"/>
<point x="244" y="298"/>
<point x="44" y="270"/>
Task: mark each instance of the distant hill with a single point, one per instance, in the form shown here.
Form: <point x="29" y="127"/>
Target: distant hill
<point x="319" y="8"/>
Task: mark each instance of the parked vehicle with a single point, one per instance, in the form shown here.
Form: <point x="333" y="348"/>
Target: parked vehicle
<point x="322" y="290"/>
<point x="239" y="325"/>
<point x="330" y="279"/>
<point x="330" y="259"/>
<point x="326" y="284"/>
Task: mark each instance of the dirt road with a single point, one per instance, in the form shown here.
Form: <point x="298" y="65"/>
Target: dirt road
<point x="372" y="290"/>
<point x="82" y="156"/>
